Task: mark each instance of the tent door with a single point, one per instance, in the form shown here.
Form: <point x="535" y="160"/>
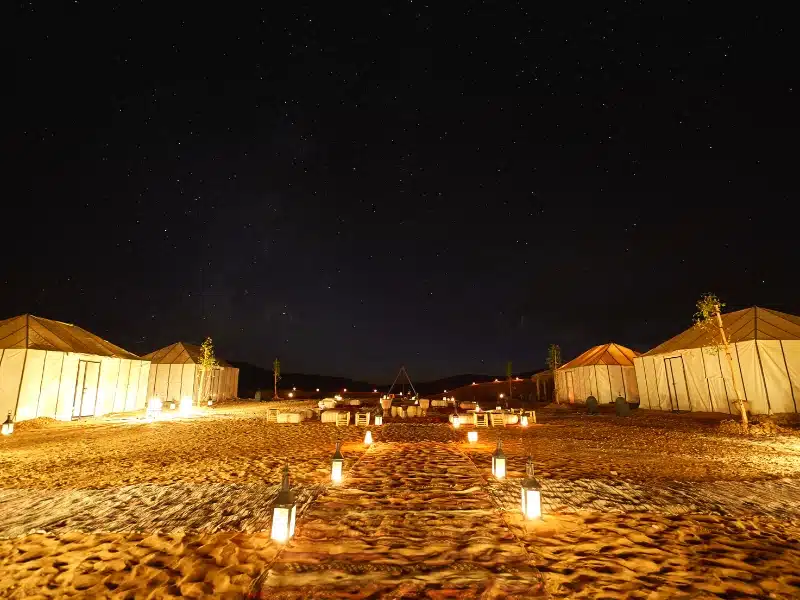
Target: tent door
<point x="570" y="387"/>
<point x="86" y="389"/>
<point x="676" y="383"/>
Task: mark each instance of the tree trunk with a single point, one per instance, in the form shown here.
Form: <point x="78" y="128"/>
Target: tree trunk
<point x="740" y="401"/>
<point x="202" y="388"/>
<point x="275" y="377"/>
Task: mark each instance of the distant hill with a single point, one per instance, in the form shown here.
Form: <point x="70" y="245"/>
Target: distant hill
<point x="252" y="378"/>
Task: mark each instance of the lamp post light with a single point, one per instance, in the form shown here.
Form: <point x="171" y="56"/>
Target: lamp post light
<point x="283" y="511"/>
<point x="499" y="461"/>
<point x="337" y="463"/>
<point x="8" y="425"/>
<point x="531" y="494"/>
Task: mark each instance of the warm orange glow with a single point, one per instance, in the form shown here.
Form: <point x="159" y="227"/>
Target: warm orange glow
<point x="368" y="438"/>
<point x="472" y="436"/>
<point x="456" y="422"/>
<point x="524" y="421"/>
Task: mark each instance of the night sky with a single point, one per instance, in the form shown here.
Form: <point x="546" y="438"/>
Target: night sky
<point x="351" y="187"/>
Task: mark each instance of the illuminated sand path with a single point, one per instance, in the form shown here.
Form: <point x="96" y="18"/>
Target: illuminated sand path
<point x="410" y="519"/>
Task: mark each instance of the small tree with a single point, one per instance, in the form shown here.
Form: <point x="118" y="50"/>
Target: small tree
<point x="709" y="318"/>
<point x="276" y="375"/>
<point x="553" y="363"/>
<point x="207" y="363"/>
<point x="508" y="374"/>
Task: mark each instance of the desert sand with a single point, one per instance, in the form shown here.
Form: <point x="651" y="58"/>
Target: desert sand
<point x="654" y="506"/>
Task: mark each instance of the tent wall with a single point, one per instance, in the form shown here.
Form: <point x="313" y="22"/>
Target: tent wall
<point x="766" y="374"/>
<point x="171" y="382"/>
<point x="604" y="382"/>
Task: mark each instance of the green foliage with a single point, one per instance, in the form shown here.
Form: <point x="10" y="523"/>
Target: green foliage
<point x="276" y="369"/>
<point x="554" y="357"/>
<point x="706" y="319"/>
<point x="207" y="358"/>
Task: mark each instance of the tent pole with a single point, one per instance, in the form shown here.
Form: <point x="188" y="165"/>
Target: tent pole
<point x="788" y="375"/>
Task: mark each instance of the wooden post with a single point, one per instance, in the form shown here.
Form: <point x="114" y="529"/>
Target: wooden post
<point x="724" y="338"/>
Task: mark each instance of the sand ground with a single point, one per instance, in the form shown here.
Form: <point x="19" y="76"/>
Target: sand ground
<point x="655" y="506"/>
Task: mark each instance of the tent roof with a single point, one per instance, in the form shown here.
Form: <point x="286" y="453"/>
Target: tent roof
<point x="179" y="353"/>
<point x="37" y="333"/>
<point x="605" y="354"/>
<point x="752" y="323"/>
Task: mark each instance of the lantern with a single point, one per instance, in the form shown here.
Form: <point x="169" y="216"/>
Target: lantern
<point x="368" y="438"/>
<point x="317" y="390"/>
<point x="379" y="416"/>
<point x="523" y="421"/>
<point x="283" y="511"/>
<point x="337" y="463"/>
<point x="456" y="421"/>
<point x="498" y="408"/>
<point x="472" y="436"/>
<point x="499" y="461"/>
<point x="531" y="494"/>
<point x="8" y="425"/>
<point x="172" y="405"/>
<point x="291" y="394"/>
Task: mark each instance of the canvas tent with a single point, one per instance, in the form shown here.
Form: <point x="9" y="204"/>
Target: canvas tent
<point x="54" y="369"/>
<point x="605" y="372"/>
<point x="690" y="372"/>
<point x="175" y="373"/>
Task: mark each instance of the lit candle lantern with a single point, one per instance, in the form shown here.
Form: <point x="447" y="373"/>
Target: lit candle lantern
<point x="524" y="421"/>
<point x="368" y="438"/>
<point x="8" y="425"/>
<point x="472" y="436"/>
<point x="456" y="421"/>
<point x="499" y="461"/>
<point x="210" y="402"/>
<point x="379" y="416"/>
<point x="283" y="511"/>
<point x="337" y="463"/>
<point x="498" y="408"/>
<point x="531" y="494"/>
<point x="172" y="405"/>
<point x="291" y="394"/>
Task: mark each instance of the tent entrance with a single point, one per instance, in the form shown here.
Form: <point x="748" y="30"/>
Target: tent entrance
<point x="676" y="383"/>
<point x="86" y="386"/>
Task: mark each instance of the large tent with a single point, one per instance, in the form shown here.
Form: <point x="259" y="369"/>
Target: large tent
<point x="175" y="373"/>
<point x="54" y="369"/>
<point x="605" y="372"/>
<point x="691" y="372"/>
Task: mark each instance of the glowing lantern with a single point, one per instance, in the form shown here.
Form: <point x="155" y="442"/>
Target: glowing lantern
<point x="368" y="438"/>
<point x="291" y="395"/>
<point x="345" y="390"/>
<point x="172" y="405"/>
<point x="498" y="408"/>
<point x="283" y="511"/>
<point x="472" y="436"/>
<point x="186" y="406"/>
<point x="445" y="391"/>
<point x="317" y="389"/>
<point x="523" y="421"/>
<point x="502" y="396"/>
<point x="374" y="391"/>
<point x="294" y="389"/>
<point x="337" y="463"/>
<point x="531" y="494"/>
<point x="210" y="402"/>
<point x="473" y="383"/>
<point x="379" y="416"/>
<point x="8" y="425"/>
<point x="499" y="461"/>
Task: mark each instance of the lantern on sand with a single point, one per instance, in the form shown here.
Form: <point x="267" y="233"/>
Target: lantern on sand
<point x="472" y="436"/>
<point x="456" y="419"/>
<point x="337" y="463"/>
<point x="379" y="416"/>
<point x="8" y="425"/>
<point x="172" y="405"/>
<point x="283" y="511"/>
<point x="499" y="461"/>
<point x="368" y="438"/>
<point x="523" y="421"/>
<point x="531" y="494"/>
<point x="210" y="402"/>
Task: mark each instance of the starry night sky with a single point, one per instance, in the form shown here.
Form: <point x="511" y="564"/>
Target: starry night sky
<point x="351" y="187"/>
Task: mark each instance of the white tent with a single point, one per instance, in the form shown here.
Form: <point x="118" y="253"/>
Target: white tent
<point x="54" y="369"/>
<point x="605" y="372"/>
<point x="174" y="374"/>
<point x="690" y="372"/>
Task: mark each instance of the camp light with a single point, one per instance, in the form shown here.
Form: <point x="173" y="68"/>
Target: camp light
<point x="283" y="511"/>
<point x="291" y="394"/>
<point x="8" y="425"/>
<point x="172" y="405"/>
<point x="523" y="421"/>
<point x="499" y="461"/>
<point x="210" y="402"/>
<point x="368" y="438"/>
<point x="186" y="406"/>
<point x="531" y="494"/>
<point x="472" y="436"/>
<point x="379" y="416"/>
<point x="337" y="463"/>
